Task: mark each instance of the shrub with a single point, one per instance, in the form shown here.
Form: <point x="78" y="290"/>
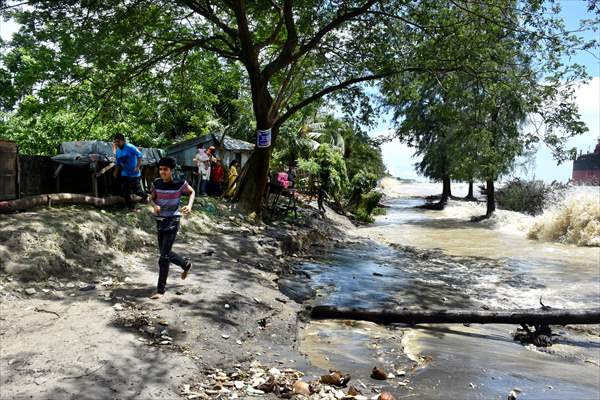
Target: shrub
<point x="327" y="162"/>
<point x="527" y="196"/>
<point x="368" y="203"/>
<point x="361" y="183"/>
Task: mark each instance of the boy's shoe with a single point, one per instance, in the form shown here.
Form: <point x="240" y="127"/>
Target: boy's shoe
<point x="186" y="269"/>
<point x="156" y="296"/>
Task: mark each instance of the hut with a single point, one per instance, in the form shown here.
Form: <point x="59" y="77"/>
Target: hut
<point x="81" y="164"/>
<point x="228" y="149"/>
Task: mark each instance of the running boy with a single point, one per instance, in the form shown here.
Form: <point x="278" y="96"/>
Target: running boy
<point x="166" y="195"/>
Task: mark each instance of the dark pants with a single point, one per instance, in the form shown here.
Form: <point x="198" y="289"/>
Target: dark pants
<point x="321" y="200"/>
<point x="129" y="186"/>
<point x="202" y="186"/>
<point x="167" y="232"/>
<point x="215" y="188"/>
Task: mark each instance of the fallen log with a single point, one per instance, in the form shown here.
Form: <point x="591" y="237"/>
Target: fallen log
<point x="27" y="203"/>
<point x="526" y="317"/>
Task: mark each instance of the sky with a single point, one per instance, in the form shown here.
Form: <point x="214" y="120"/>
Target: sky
<point x="398" y="157"/>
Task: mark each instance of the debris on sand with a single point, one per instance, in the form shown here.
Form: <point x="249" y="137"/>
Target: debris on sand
<point x="301" y="387"/>
<point x="378" y="374"/>
<point x="257" y="380"/>
<point x="87" y="288"/>
<point x="541" y="336"/>
<point x="335" y="378"/>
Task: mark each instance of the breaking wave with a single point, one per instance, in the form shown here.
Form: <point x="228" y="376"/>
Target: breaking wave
<point x="574" y="219"/>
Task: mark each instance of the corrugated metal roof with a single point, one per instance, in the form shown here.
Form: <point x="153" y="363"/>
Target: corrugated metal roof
<point x="193" y="142"/>
<point x="236" y="144"/>
<point x="84" y="152"/>
<point x="229" y="143"/>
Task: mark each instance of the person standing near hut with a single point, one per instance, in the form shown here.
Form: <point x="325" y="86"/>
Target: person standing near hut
<point x="202" y="160"/>
<point x="217" y="178"/>
<point x="232" y="179"/>
<point x="128" y="170"/>
<point x="166" y="196"/>
<point x="212" y="152"/>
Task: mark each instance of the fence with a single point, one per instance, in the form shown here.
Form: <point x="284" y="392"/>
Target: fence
<point x="9" y="170"/>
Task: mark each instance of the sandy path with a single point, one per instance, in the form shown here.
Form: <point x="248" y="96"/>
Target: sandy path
<point x="89" y="352"/>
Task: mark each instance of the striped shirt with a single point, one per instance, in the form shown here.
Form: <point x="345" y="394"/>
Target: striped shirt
<point x="167" y="196"/>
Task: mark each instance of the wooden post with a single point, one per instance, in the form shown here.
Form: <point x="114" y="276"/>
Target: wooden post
<point x="18" y="175"/>
<point x="94" y="179"/>
<point x="57" y="177"/>
<point x="105" y="169"/>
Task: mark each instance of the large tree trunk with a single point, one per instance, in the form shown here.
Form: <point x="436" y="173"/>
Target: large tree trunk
<point x="491" y="198"/>
<point x="470" y="195"/>
<point x="253" y="183"/>
<point x="446" y="189"/>
<point x="529" y="317"/>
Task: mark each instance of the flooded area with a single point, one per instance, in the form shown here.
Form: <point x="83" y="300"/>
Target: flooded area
<point x="421" y="259"/>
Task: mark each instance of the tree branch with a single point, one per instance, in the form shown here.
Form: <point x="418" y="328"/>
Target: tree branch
<point x="280" y="93"/>
<point x="248" y="54"/>
<point x="398" y="17"/>
<point x="7" y="7"/>
<point x="289" y="112"/>
<point x="207" y="12"/>
<point x="138" y="70"/>
<point x="271" y="39"/>
<point x="334" y="24"/>
<point x="327" y="91"/>
<point x="285" y="56"/>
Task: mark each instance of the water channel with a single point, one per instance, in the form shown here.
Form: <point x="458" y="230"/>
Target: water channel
<point x="422" y="259"/>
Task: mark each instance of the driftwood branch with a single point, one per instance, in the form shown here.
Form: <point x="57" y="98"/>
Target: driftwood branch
<point x="37" y="309"/>
<point x="529" y="317"/>
<point x="88" y="373"/>
<point x="27" y="203"/>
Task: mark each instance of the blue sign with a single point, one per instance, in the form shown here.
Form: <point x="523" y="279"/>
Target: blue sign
<point x="264" y="138"/>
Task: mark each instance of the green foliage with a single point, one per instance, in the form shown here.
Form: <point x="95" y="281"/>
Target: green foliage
<point x="165" y="69"/>
<point x="301" y="136"/>
<point x="310" y="167"/>
<point x="367" y="205"/>
<point x="51" y="99"/>
<point x="466" y="122"/>
<point x="364" y="181"/>
<point x="361" y="183"/>
<point x="327" y="169"/>
<point x="527" y="196"/>
<point x="362" y="155"/>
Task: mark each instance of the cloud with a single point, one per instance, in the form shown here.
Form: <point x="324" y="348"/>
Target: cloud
<point x="588" y="98"/>
<point x="397" y="156"/>
<point x="7" y="28"/>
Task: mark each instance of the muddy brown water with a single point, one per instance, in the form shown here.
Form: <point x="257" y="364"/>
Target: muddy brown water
<point x="428" y="259"/>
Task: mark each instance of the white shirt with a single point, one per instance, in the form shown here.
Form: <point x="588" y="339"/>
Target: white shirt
<point x="203" y="163"/>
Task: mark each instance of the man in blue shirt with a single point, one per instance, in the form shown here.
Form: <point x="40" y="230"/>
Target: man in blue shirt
<point x="128" y="170"/>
